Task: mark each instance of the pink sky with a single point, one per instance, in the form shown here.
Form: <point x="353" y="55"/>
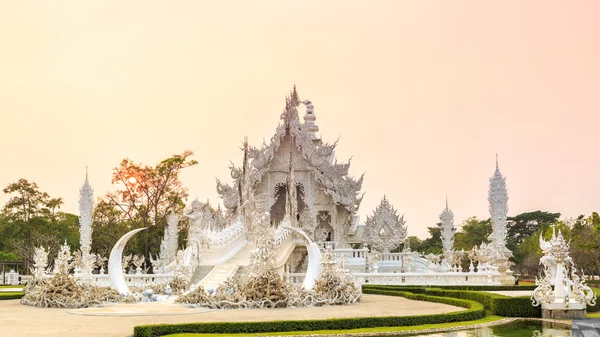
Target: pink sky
<point x="422" y="94"/>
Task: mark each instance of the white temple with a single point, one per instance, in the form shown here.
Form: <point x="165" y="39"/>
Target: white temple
<point x="294" y="183"/>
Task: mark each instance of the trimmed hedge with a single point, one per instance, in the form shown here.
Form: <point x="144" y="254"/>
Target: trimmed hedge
<point x="475" y="311"/>
<point x="465" y="287"/>
<point x="498" y="304"/>
<point x="10" y="296"/>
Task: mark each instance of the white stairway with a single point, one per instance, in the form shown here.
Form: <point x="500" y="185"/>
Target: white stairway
<point x="223" y="271"/>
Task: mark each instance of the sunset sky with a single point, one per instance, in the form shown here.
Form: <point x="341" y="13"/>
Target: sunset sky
<point x="421" y="94"/>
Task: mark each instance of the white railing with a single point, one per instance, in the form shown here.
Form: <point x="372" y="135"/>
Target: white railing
<point x="349" y="253"/>
<point x="219" y="239"/>
<point x="325" y="244"/>
<point x="219" y="255"/>
<point x="452" y="278"/>
<point x="295" y="278"/>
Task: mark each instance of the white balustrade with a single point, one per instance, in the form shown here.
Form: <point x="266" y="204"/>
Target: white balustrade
<point x="460" y="278"/>
<point x="295" y="278"/>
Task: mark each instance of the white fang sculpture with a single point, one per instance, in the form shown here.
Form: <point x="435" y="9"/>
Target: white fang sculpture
<point x="561" y="292"/>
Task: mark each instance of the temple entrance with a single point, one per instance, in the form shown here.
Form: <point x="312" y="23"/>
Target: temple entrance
<point x="280" y="196"/>
<point x="324" y="231"/>
<point x="278" y="208"/>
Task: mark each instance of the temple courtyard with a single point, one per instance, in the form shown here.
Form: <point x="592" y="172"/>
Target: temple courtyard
<point x="118" y="320"/>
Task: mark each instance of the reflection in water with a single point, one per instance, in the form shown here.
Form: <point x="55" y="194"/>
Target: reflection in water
<point x="514" y="329"/>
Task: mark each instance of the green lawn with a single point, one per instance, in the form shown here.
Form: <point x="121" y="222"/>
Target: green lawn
<point x="9" y="286"/>
<point x="487" y="319"/>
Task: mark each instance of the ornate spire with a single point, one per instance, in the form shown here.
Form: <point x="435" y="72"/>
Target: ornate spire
<point x="291" y="107"/>
<point x="309" y="120"/>
<point x="86" y="206"/>
<point x="498" y="207"/>
<point x="447" y="219"/>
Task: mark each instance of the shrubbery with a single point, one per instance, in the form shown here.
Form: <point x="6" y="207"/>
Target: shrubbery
<point x="11" y="296"/>
<point x="475" y="311"/>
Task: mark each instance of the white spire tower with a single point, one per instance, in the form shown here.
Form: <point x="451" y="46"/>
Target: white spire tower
<point x="447" y="218"/>
<point x="86" y="206"/>
<point x="498" y="206"/>
<point x="309" y="119"/>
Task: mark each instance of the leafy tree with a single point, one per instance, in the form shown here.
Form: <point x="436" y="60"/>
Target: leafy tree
<point x="525" y="224"/>
<point x="433" y="244"/>
<point x="473" y="232"/>
<point x="149" y="193"/>
<point x="110" y="224"/>
<point x="585" y="243"/>
<point x="28" y="215"/>
<point x="415" y="243"/>
<point x="27" y="201"/>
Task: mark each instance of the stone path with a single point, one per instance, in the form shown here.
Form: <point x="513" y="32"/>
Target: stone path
<point x="10" y="290"/>
<point x="20" y="320"/>
<point x="513" y="293"/>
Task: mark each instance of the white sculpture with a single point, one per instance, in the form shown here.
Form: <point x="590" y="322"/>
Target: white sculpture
<point x="40" y="258"/>
<point x="314" y="260"/>
<point x="385" y="229"/>
<point x="86" y="206"/>
<point x="115" y="269"/>
<point x="62" y="263"/>
<point x="562" y="293"/>
<point x="197" y="219"/>
<point x="138" y="261"/>
<point x="168" y="245"/>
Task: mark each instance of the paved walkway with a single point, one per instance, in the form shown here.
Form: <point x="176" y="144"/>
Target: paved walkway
<point x="10" y="290"/>
<point x="513" y="293"/>
<point x="20" y="320"/>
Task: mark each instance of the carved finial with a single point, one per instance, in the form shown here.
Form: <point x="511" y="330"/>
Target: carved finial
<point x="496" y="161"/>
<point x="446" y="202"/>
<point x="86" y="173"/>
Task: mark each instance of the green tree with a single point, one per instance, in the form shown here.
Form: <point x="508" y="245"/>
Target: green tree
<point x="433" y="244"/>
<point x="585" y="243"/>
<point x="148" y="193"/>
<point x="110" y="224"/>
<point x="525" y="224"/>
<point x="473" y="232"/>
<point x="28" y="215"/>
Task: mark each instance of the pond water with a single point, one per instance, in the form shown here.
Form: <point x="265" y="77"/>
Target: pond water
<point x="514" y="329"/>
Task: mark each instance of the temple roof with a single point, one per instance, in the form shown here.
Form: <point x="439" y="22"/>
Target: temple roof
<point x="332" y="176"/>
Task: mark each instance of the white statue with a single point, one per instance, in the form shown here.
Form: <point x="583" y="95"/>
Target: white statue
<point x="40" y="258"/>
<point x="62" y="263"/>
<point x="196" y="216"/>
<point x="561" y="291"/>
